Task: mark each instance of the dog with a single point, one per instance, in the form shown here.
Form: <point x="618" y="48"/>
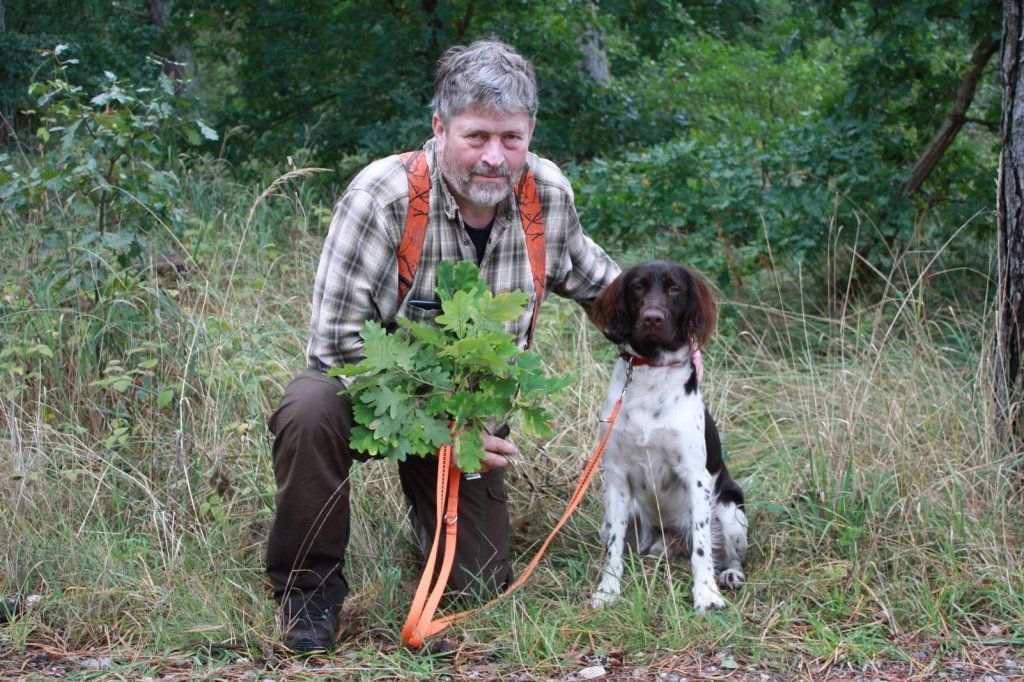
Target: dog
<point x="660" y="480"/>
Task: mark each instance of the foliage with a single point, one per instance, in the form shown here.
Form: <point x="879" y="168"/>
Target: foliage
<point x="415" y="389"/>
<point x="721" y="123"/>
<point x="301" y="72"/>
<point x="132" y="404"/>
<point x="106" y="36"/>
<point x="790" y="152"/>
<point x="107" y="149"/>
<point x="105" y="165"/>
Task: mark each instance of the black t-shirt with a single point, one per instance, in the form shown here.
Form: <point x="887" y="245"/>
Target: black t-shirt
<point x="480" y="235"/>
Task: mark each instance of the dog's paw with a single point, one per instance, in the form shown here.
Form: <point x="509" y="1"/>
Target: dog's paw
<point x="599" y="599"/>
<point x="707" y="598"/>
<point x="731" y="579"/>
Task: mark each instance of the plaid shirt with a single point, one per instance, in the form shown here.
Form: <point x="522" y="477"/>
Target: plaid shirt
<point x="357" y="278"/>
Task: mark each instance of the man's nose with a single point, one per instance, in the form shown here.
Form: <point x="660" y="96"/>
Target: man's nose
<point x="493" y="154"/>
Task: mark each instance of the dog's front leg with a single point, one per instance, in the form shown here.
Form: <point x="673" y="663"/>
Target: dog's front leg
<point x="617" y="503"/>
<point x="705" y="591"/>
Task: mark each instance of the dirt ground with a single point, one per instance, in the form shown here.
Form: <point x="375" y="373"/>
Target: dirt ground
<point x="981" y="663"/>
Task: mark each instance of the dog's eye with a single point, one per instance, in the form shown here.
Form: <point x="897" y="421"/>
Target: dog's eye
<point x="638" y="286"/>
<point x="673" y="289"/>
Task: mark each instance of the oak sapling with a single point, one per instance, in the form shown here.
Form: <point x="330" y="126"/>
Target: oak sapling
<point x="418" y="387"/>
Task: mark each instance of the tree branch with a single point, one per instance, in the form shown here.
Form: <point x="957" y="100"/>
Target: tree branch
<point x="947" y="132"/>
<point x="991" y="125"/>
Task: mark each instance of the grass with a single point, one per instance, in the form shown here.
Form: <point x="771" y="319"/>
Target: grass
<point x="885" y="517"/>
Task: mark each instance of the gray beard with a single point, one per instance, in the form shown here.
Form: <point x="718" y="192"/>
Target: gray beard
<point x="477" y="194"/>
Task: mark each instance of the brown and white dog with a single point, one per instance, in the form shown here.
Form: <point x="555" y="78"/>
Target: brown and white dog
<point x="659" y="476"/>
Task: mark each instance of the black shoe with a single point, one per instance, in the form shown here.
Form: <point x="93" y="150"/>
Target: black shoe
<point x="10" y="607"/>
<point x="309" y="628"/>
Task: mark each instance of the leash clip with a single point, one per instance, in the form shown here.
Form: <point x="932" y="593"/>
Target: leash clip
<point x="629" y="378"/>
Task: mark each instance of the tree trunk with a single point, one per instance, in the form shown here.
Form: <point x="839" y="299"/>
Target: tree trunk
<point x="178" y="59"/>
<point x="595" y="58"/>
<point x="1010" y="216"/>
<point x="954" y="120"/>
<point x="3" y="21"/>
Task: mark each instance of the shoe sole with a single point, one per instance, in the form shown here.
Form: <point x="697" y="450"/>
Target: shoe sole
<point x="307" y="644"/>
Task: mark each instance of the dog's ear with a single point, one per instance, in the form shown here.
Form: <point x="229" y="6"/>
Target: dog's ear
<point x="701" y="312"/>
<point x="609" y="311"/>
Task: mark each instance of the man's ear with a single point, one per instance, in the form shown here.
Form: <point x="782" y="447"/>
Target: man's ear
<point x="438" y="127"/>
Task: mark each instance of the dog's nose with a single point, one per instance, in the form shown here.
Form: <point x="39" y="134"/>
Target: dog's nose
<point x="653" y="317"/>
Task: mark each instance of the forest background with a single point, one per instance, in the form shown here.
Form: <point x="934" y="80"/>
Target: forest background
<point x="167" y="176"/>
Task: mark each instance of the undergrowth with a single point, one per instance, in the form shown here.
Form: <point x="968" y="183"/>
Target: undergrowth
<point x="138" y="491"/>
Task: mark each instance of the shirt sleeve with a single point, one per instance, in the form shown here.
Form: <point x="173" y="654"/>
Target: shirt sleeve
<point x="589" y="268"/>
<point x="352" y="280"/>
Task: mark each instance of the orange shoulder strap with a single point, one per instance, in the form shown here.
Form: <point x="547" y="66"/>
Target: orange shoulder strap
<point x="410" y="251"/>
<point x="411" y="248"/>
<point x="536" y="246"/>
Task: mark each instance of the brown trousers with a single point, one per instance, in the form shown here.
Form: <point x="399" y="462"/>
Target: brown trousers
<point x="312" y="462"/>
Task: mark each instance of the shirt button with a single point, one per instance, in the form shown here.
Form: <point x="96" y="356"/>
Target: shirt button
<point x="466" y="242"/>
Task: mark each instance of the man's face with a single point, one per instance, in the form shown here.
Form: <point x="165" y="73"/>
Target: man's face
<point x="482" y="154"/>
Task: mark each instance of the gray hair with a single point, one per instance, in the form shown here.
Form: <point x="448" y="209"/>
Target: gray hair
<point x="488" y="75"/>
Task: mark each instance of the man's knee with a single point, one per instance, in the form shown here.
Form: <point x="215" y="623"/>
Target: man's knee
<point x="312" y="425"/>
<point x="311" y="400"/>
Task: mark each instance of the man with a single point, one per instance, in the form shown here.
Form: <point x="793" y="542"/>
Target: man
<point x="485" y="106"/>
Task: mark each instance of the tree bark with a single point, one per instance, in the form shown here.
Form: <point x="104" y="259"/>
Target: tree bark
<point x="595" y="59"/>
<point x="177" y="60"/>
<point x="1010" y="217"/>
<point x="947" y="132"/>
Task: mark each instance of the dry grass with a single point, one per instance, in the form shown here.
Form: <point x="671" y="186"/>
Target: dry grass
<point x="884" y="524"/>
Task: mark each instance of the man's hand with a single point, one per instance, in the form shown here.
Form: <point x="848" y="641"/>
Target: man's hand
<point x="496" y="452"/>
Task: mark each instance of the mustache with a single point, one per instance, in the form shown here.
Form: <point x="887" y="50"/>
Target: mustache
<point x="486" y="169"/>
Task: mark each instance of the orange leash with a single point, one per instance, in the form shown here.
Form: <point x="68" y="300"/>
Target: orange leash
<point x="420" y="622"/>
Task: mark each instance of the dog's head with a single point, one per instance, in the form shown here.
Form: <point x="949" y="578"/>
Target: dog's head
<point x="656" y="306"/>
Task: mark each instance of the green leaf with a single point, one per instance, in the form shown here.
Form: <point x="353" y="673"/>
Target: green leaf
<point x="382" y="350"/>
<point x="424" y="333"/>
<point x="435" y="431"/>
<point x="346" y="371"/>
<point x="469" y="447"/>
<point x="385" y="401"/>
<point x="535" y="422"/>
<point x="41" y="349"/>
<point x="207" y="132"/>
<point x="362" y="440"/>
<point x="461" y="276"/>
<point x="458" y="311"/>
<point x="504" y="307"/>
<point x="490" y="352"/>
<point x="165" y="397"/>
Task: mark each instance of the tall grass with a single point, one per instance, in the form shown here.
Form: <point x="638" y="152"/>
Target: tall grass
<point x="884" y="521"/>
